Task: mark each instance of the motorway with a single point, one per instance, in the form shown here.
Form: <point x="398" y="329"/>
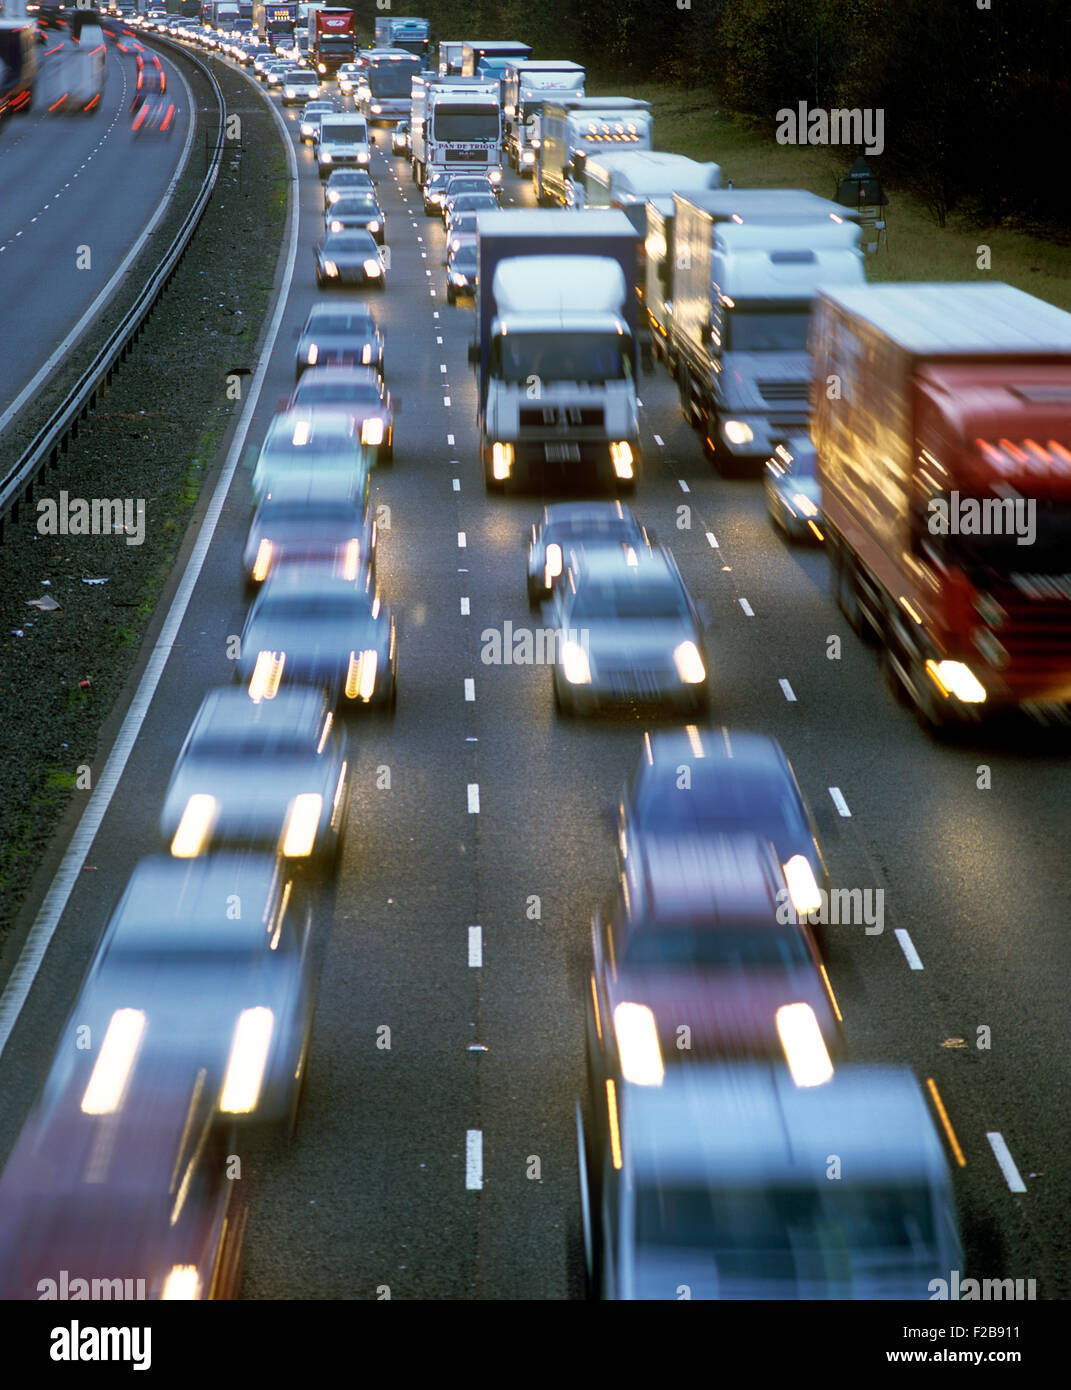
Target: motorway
<point x="444" y="1166"/>
<point x="81" y="192"/>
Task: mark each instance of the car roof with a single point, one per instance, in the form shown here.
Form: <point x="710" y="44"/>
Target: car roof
<point x="587" y="511"/>
<point x="313" y="578"/>
<point x="705" y="749"/>
<point x="192" y="899"/>
<point x="611" y="563"/>
<point x="310" y="485"/>
<point x="749" y="1123"/>
<point x="340" y="376"/>
<point x="324" y="311"/>
<point x="323" y="422"/>
<point x="725" y="880"/>
<point x="230" y="710"/>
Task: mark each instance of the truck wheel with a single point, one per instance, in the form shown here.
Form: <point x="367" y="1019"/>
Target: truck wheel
<point x="846" y="593"/>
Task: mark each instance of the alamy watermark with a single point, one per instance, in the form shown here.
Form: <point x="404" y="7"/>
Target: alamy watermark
<point x="524" y="646"/>
<point x="848" y="907"/>
<point x="840" y="126"/>
<point x="96" y="516"/>
<point x="996" y="1290"/>
<point x="989" y="516"/>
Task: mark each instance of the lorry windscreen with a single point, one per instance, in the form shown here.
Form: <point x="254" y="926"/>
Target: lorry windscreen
<point x="390" y="79"/>
<point x="331" y="133"/>
<point x="766" y="332"/>
<point x="466" y="123"/>
<point x="561" y="357"/>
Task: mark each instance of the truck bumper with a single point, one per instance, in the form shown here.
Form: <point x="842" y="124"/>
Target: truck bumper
<point x="743" y="436"/>
<point x="567" y="463"/>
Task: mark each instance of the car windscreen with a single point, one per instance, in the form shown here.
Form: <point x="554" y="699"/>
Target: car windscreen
<point x="334" y="515"/>
<point x="331" y="132"/>
<point x="689" y="947"/>
<point x="608" y="599"/>
<point x="584" y="528"/>
<point x="236" y="746"/>
<point x="391" y="79"/>
<point x="766" y="332"/>
<point x="356" y="203"/>
<point x="346" y="393"/>
<point x="362" y="324"/>
<point x="591" y="357"/>
<point x="473" y="202"/>
<point x="724" y="803"/>
<point x="321" y="442"/>
<point x="315" y="609"/>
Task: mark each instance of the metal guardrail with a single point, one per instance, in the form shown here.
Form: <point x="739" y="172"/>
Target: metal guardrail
<point x="53" y="438"/>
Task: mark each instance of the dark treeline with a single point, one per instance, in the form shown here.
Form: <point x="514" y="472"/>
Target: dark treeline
<point x="977" y="101"/>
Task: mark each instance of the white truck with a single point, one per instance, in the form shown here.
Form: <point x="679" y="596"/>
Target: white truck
<point x="573" y="128"/>
<point x="742" y="297"/>
<point x="526" y="86"/>
<point x="556" y="351"/>
<point x="455" y="124"/>
<point x="73" y="72"/>
<point x="625" y="178"/>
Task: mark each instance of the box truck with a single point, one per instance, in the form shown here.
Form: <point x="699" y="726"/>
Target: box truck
<point x="332" y="39"/>
<point x="472" y="50"/>
<point x="455" y="124"/>
<point x="526" y="86"/>
<point x="942" y="425"/>
<point x="575" y="127"/>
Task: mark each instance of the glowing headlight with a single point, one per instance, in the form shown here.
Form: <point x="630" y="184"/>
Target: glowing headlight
<point x="247" y="1062"/>
<point x="637" y="1045"/>
<point x="118" y="1052"/>
<point x="528" y="157"/>
<point x="376" y="110"/>
<point x="501" y="460"/>
<point x="372" y="431"/>
<point x="738" y="432"/>
<point x="457" y="278"/>
<point x="954" y="678"/>
<point x="299" y="833"/>
<point x="262" y="564"/>
<point x="373" y="269"/>
<point x="689" y="663"/>
<point x="495" y="175"/>
<point x="306" y="127"/>
<point x="805" y="504"/>
<point x="334" y="196"/>
<point x="195" y="828"/>
<point x="576" y="668"/>
<point x="321" y="67"/>
<point x="351" y="559"/>
<point x="803" y="1044"/>
<point x="335" y="225"/>
<point x="802" y="885"/>
<point x="182" y="1282"/>
<point x="362" y="156"/>
<point x="325" y="157"/>
<point x="621" y="458"/>
<point x="366" y="354"/>
<point x="289" y="92"/>
<point x="553" y="565"/>
<point x="361" y="675"/>
<point x="312" y="354"/>
<point x="267" y="673"/>
<point x="331" y="268"/>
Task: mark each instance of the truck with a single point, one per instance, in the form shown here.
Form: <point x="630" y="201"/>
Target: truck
<point x="472" y="50"/>
<point x="414" y="35"/>
<point x="389" y="74"/>
<point x="526" y="87"/>
<point x="455" y="124"/>
<point x="944" y="463"/>
<point x="493" y="67"/>
<point x="747" y="266"/>
<point x="332" y="39"/>
<point x="342" y="143"/>
<point x="555" y="349"/>
<point x="451" y="56"/>
<point x="18" y="65"/>
<point x="658" y="258"/>
<point x="575" y="127"/>
<point x="220" y="15"/>
<point x="73" y="73"/>
<point x="627" y="178"/>
<point x="275" y="21"/>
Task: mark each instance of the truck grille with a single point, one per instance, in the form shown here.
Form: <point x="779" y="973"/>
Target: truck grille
<point x="466" y="156"/>
<point x="558" y="416"/>
<point x="782" y="390"/>
<point x="1036" y="635"/>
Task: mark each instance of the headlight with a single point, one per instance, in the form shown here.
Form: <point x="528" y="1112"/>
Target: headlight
<point x="373" y="269"/>
<point x="299" y="833"/>
<point x="373" y="226"/>
<point x="637" y="1045"/>
<point x="247" y="1062"/>
<point x="689" y="663"/>
<point x="495" y="176"/>
<point x="805" y="504"/>
<point x="262" y="564"/>
<point x="325" y="156"/>
<point x="267" y="673"/>
<point x="334" y="226"/>
<point x="115" y="1061"/>
<point x="333" y="197"/>
<point x="457" y="278"/>
<point x="289" y="92"/>
<point x="372" y="431"/>
<point x="306" y="128"/>
<point x="576" y="668"/>
<point x="330" y="267"/>
<point x="366" y="354"/>
<point x="361" y="675"/>
<point x="553" y="566"/>
<point x="362" y="156"/>
<point x="195" y="828"/>
<point x="738" y="432"/>
<point x="803" y="1045"/>
<point x="376" y="110"/>
<point x="621" y="458"/>
<point x="954" y="678"/>
<point x="351" y="559"/>
<point x="183" y="1281"/>
<point x="802" y="885"/>
<point x="501" y="460"/>
<point x="321" y="67"/>
<point x="312" y="354"/>
<point x="528" y="157"/>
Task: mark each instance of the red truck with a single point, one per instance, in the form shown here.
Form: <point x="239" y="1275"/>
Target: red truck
<point x="333" y="40"/>
<point x="942" y="425"/>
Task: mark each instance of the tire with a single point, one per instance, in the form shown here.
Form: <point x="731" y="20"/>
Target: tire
<point x="846" y="593"/>
<point x="451" y="295"/>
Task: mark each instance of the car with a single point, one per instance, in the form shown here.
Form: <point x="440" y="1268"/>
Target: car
<point x="185" y="983"/>
<point x="342" y="141"/>
<point x="361" y="392"/>
<point x="700" y="966"/>
<point x="717" y="1182"/>
<point x="301" y="443"/>
<point x="270" y="775"/>
<point x="461" y="268"/>
<point x="313" y="516"/>
<point x="356" y="210"/>
<point x="456" y="203"/>
<point x="310" y="625"/>
<point x="274" y="72"/>
<point x="345" y="181"/>
<point x="435" y="191"/>
<point x="310" y="117"/>
<point x="155" y="116"/>
<point x="300" y="85"/>
<point x="264" y="57"/>
<point x="737" y="783"/>
<point x="629" y="634"/>
<point x="567" y="526"/>
<point x="464" y="185"/>
<point x="793" y="493"/>
<point x="349" y="258"/>
<point x="345" y="337"/>
<point x="346" y="77"/>
<point x="462" y="230"/>
<point x="399" y="138"/>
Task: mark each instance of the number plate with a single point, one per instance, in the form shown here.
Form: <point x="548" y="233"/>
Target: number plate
<point x="562" y="453"/>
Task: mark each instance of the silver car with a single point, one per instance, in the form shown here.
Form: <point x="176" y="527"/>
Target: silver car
<point x="793" y="494"/>
<point x="627" y="633"/>
<point x="311" y="440"/>
<point x="568" y="526"/>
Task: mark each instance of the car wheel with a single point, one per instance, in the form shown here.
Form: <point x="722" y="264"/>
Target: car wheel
<point x="562" y="708"/>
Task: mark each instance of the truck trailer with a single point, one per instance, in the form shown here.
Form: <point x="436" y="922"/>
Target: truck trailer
<point x="472" y="50"/>
<point x="451" y="57"/>
<point x="413" y="35"/>
<point x="526" y="87"/>
<point x="555" y="350"/>
<point x="942" y="425"/>
<point x="747" y="265"/>
<point x="455" y="124"/>
<point x="576" y="127"/>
